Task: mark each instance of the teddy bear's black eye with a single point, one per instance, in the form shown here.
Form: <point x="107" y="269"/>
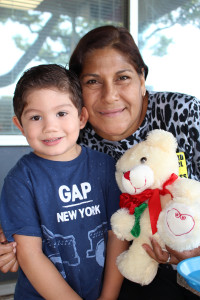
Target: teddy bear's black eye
<point x="143" y="160"/>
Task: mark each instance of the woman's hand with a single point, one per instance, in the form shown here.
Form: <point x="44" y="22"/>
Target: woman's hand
<point x="170" y="256"/>
<point x="8" y="260"/>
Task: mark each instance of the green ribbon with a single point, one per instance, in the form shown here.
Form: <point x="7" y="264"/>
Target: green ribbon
<point x="135" y="231"/>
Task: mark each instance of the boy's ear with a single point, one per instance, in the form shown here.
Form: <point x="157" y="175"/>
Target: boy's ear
<point x="17" y="124"/>
<point x="83" y="117"/>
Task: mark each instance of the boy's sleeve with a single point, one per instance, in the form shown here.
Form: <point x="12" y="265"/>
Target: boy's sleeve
<point x="18" y="212"/>
<point x="113" y="192"/>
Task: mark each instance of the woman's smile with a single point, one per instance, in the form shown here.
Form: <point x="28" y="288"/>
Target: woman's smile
<point x="112" y="112"/>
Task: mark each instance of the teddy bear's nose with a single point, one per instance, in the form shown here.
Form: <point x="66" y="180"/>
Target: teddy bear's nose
<point x="127" y="175"/>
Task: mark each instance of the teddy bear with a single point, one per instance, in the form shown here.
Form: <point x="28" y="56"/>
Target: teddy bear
<point x="155" y="202"/>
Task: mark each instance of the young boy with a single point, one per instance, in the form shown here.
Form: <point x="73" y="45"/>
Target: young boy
<point x="57" y="201"/>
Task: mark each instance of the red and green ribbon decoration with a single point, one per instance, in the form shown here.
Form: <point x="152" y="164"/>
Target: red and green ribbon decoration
<point x="133" y="204"/>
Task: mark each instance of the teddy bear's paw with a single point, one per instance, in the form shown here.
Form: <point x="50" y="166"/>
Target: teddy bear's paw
<point x="137" y="270"/>
<point x="186" y="190"/>
<point x="122" y="223"/>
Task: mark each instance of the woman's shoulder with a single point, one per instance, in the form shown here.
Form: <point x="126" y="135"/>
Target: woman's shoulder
<point x="170" y="109"/>
<point x="168" y="98"/>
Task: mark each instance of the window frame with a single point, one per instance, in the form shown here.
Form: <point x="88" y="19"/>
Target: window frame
<point x="13" y="140"/>
<point x="132" y="14"/>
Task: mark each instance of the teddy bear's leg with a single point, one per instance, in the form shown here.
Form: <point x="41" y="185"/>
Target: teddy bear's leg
<point x="136" y="265"/>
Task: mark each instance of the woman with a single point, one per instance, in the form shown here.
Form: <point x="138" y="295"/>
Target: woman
<point x="121" y="113"/>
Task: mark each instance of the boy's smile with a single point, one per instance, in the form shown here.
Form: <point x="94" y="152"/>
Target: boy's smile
<point x="51" y="124"/>
<point x="52" y="142"/>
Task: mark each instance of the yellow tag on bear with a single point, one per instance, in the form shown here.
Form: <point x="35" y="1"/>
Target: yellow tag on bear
<point x="182" y="165"/>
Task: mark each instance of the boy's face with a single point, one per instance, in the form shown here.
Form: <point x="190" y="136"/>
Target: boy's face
<point x="51" y="124"/>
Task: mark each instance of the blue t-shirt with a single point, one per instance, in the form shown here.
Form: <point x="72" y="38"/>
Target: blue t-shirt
<point x="68" y="205"/>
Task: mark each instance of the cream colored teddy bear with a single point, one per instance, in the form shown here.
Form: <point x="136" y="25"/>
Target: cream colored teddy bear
<point x="145" y="174"/>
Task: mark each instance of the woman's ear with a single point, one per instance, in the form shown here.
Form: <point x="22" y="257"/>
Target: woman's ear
<point x="142" y="81"/>
<point x="18" y="124"/>
<point x="83" y="117"/>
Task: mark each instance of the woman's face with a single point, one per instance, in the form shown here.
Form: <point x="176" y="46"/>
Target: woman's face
<point x="113" y="94"/>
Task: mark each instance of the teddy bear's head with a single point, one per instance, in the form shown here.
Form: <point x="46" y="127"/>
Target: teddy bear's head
<point x="148" y="164"/>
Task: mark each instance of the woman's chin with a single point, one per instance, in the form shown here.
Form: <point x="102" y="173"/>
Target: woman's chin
<point x="111" y="134"/>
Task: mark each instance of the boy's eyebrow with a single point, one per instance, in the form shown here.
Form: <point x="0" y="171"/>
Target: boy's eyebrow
<point x="30" y="110"/>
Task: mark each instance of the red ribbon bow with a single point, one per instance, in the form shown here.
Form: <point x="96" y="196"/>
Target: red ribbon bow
<point x="133" y="201"/>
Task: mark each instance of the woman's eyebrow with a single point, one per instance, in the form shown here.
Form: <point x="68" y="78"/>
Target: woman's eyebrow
<point x="96" y="75"/>
<point x="89" y="74"/>
<point x="124" y="70"/>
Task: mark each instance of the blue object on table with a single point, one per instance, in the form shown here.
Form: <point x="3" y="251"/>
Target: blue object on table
<point x="189" y="269"/>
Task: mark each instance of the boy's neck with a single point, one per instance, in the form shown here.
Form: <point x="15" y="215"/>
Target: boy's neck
<point x="69" y="155"/>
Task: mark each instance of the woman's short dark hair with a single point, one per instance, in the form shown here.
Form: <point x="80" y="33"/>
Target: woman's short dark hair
<point x="117" y="38"/>
<point x="47" y="76"/>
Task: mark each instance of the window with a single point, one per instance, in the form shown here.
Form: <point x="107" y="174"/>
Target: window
<point x="168" y="37"/>
<point x="43" y="31"/>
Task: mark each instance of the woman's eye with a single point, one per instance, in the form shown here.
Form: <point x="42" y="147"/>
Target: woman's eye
<point x="61" y="114"/>
<point x="124" y="77"/>
<point x="91" y="81"/>
<point x="143" y="160"/>
<point x="36" y="118"/>
<point x="92" y="84"/>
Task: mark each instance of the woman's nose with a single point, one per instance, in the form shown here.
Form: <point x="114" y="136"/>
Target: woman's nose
<point x="109" y="93"/>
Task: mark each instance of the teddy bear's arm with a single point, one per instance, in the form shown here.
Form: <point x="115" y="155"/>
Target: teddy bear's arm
<point x="122" y="223"/>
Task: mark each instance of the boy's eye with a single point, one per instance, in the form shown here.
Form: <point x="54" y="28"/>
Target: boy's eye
<point x="61" y="114"/>
<point x="36" y="118"/>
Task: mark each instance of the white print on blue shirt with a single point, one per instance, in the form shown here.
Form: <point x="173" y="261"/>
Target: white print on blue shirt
<point x="68" y="195"/>
<point x="56" y="241"/>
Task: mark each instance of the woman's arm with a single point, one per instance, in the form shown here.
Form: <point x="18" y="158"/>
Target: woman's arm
<point x="112" y="277"/>
<point x="8" y="260"/>
<point x="40" y="271"/>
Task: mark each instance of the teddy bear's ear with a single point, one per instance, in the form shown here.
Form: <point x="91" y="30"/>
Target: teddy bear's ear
<point x="162" y="139"/>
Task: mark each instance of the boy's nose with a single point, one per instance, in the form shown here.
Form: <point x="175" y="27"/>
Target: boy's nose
<point x="49" y="125"/>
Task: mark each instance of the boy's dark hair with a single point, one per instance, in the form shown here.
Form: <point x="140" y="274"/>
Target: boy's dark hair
<point x="47" y="76"/>
<point x="117" y="38"/>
